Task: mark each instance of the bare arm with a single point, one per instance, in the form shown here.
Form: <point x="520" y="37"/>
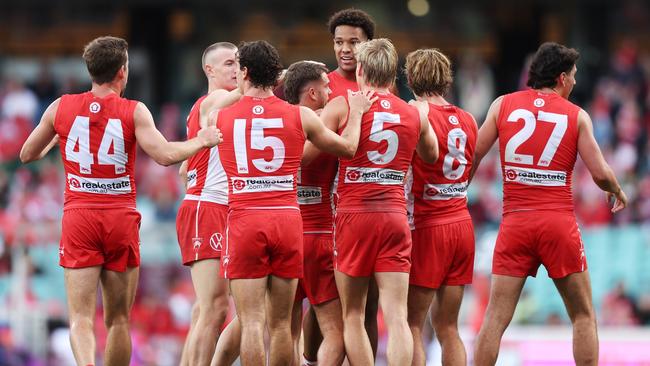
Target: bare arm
<point x="487" y="135"/>
<point x="427" y="147"/>
<point x="43" y="138"/>
<point x="328" y="141"/>
<point x="331" y="116"/>
<point x="162" y="151"/>
<point x="182" y="173"/>
<point x="593" y="158"/>
<point x="218" y="99"/>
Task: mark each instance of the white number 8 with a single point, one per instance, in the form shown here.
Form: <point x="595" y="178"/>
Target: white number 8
<point x="456" y="141"/>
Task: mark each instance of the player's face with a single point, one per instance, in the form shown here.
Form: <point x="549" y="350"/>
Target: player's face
<point x="570" y="81"/>
<point x="322" y="90"/>
<point x="223" y="65"/>
<point x="346" y="38"/>
<point x="126" y="75"/>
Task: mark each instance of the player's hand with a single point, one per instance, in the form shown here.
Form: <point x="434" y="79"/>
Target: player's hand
<point x="361" y="101"/>
<point x="209" y="136"/>
<point x="619" y="198"/>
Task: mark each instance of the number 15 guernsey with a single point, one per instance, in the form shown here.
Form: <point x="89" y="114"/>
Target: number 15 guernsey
<point x="261" y="152"/>
<point x="97" y="138"/>
<point x="538" y="144"/>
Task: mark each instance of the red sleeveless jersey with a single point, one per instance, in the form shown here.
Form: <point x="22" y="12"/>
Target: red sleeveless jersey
<point x="340" y="85"/>
<point x="538" y="144"/>
<point x="206" y="179"/>
<point x="440" y="189"/>
<point x="314" y="193"/>
<point x="373" y="180"/>
<point x="261" y="150"/>
<point x="97" y="138"/>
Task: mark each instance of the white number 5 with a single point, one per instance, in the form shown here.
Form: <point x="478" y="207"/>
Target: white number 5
<point x="378" y="134"/>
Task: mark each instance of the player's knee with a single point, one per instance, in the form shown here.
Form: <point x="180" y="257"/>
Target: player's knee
<point x="116" y="320"/>
<point x="446" y="331"/>
<point x="587" y="317"/>
<point x="81" y="322"/>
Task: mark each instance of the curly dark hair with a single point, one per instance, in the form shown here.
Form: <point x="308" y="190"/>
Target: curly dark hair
<point x="262" y="61"/>
<point x="298" y="75"/>
<point x="355" y="18"/>
<point x="550" y="60"/>
<point x="104" y="56"/>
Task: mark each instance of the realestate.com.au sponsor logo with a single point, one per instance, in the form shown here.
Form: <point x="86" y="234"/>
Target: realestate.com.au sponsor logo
<point x="535" y="177"/>
<point x="120" y="185"/>
<point x="444" y="191"/>
<point x="262" y="184"/>
<point x="309" y="195"/>
<point x="374" y="175"/>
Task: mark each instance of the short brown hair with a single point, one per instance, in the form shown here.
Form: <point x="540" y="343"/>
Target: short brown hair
<point x="354" y="18"/>
<point x="550" y="60"/>
<point x="298" y="75"/>
<point x="104" y="56"/>
<point x="378" y="58"/>
<point x="428" y="71"/>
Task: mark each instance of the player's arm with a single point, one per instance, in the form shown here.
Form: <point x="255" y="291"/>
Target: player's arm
<point x="324" y="139"/>
<point x="165" y="152"/>
<point x="593" y="158"/>
<point x="182" y="173"/>
<point x="218" y="99"/>
<point x="427" y="147"/>
<point x="487" y="135"/>
<point x="43" y="138"/>
<point x="332" y="116"/>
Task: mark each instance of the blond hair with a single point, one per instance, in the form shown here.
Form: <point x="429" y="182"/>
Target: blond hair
<point x="378" y="58"/>
<point x="428" y="71"/>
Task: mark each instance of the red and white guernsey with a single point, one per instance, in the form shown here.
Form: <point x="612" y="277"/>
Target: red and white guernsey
<point x="373" y="180"/>
<point x="314" y="193"/>
<point x="538" y="143"/>
<point x="340" y="85"/>
<point x="206" y="179"/>
<point x="440" y="189"/>
<point x="261" y="150"/>
<point x="97" y="138"/>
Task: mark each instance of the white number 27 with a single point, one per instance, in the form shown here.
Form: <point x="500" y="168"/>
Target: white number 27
<point x="530" y="122"/>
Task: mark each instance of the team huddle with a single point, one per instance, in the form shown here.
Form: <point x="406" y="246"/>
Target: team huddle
<point x="322" y="185"/>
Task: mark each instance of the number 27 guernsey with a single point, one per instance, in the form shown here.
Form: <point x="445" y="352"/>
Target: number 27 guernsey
<point x="97" y="139"/>
<point x="538" y="143"/>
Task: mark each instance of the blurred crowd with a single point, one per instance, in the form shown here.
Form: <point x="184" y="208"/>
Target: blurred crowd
<point x="31" y="196"/>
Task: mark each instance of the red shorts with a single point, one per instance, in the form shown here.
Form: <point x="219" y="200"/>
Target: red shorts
<point x="443" y="255"/>
<point x="318" y="283"/>
<point x="530" y="238"/>
<point x="107" y="237"/>
<point x="263" y="242"/>
<point x="201" y="229"/>
<point x="368" y="242"/>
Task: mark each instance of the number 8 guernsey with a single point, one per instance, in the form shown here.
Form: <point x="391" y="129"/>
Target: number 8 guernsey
<point x="440" y="189"/>
<point x="538" y="144"/>
<point x="97" y="139"/>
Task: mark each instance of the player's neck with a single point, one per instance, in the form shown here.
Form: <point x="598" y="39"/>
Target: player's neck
<point x="553" y="90"/>
<point x="433" y="99"/>
<point x="376" y="89"/>
<point x="105" y="89"/>
<point x="349" y="75"/>
<point x="258" y="92"/>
